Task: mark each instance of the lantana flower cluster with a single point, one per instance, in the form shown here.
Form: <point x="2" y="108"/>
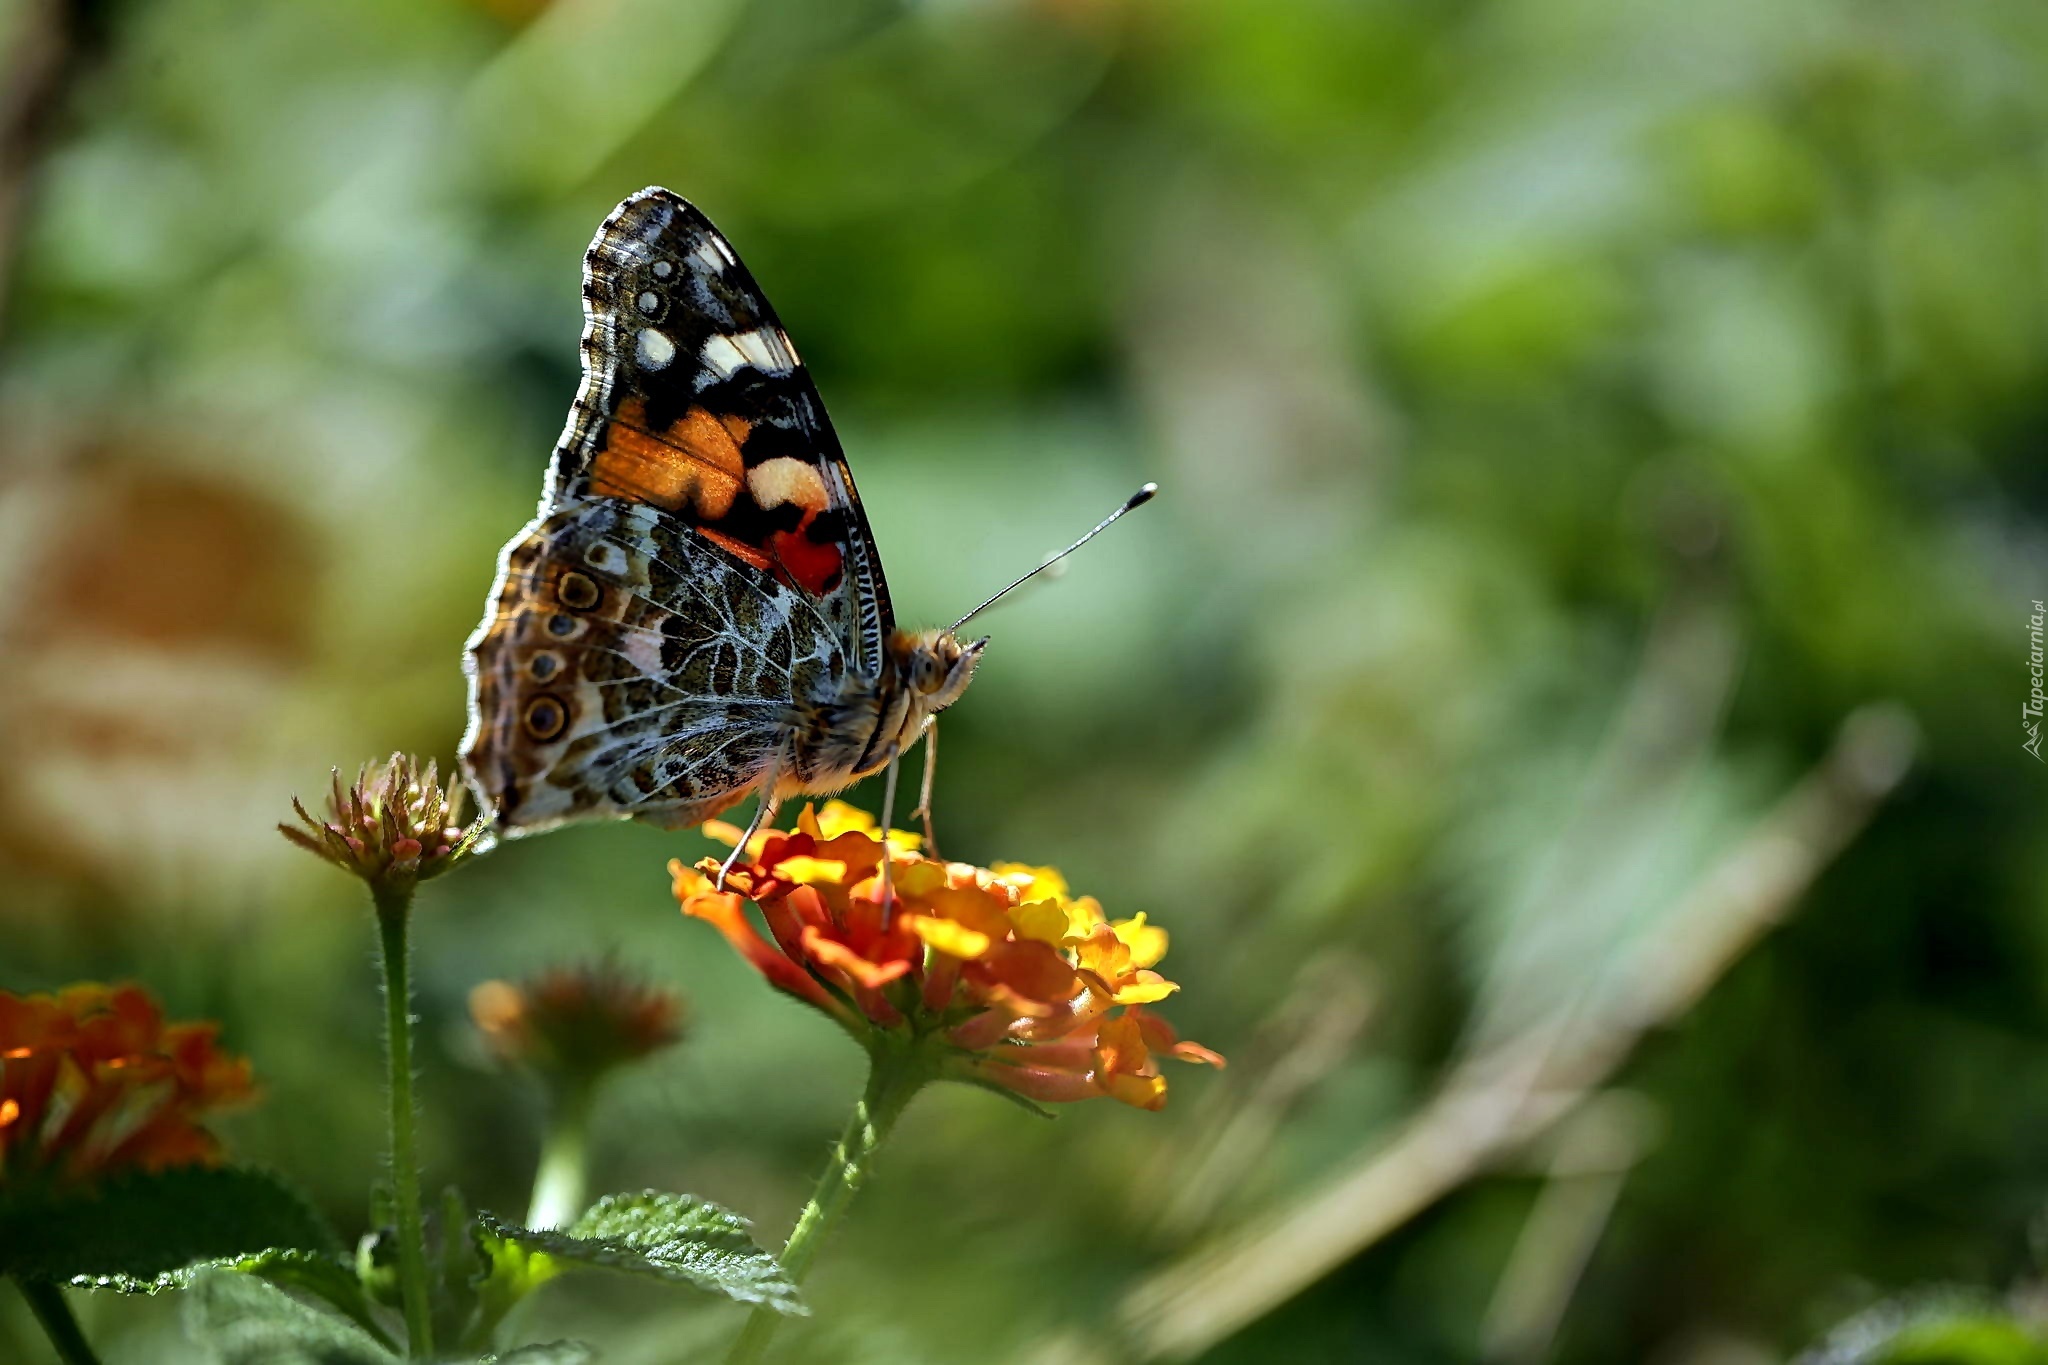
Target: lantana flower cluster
<point x="93" y="1081"/>
<point x="1024" y="985"/>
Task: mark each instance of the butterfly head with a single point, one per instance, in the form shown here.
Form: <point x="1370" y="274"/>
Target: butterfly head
<point x="934" y="666"/>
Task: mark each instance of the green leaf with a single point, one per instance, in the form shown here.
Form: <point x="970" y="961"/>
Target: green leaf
<point x="1980" y="1341"/>
<point x="547" y="1353"/>
<point x="671" y="1237"/>
<point x="377" y="1266"/>
<point x="245" y="1321"/>
<point x="315" y="1272"/>
<point x="1932" y="1328"/>
<point x="126" y="1233"/>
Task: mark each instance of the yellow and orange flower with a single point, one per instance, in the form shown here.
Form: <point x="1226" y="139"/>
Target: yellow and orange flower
<point x="576" y="1022"/>
<point x="93" y="1082"/>
<point x="1030" y="988"/>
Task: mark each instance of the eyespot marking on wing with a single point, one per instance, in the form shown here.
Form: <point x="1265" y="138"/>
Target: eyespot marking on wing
<point x="577" y="592"/>
<point x="545" y="717"/>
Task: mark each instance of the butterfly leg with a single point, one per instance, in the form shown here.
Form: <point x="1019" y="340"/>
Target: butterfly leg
<point x="924" y="789"/>
<point x="764" y="810"/>
<point x="888" y="862"/>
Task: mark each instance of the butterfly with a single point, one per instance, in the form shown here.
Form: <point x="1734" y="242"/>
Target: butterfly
<point x="697" y="611"/>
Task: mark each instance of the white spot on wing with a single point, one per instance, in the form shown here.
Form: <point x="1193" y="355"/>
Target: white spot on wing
<point x="764" y="348"/>
<point x="643" y="651"/>
<point x="786" y="479"/>
<point x="649" y="303"/>
<point x="721" y="357"/>
<point x="653" y="349"/>
<point x="767" y="349"/>
<point x="664" y="269"/>
<point x="710" y="257"/>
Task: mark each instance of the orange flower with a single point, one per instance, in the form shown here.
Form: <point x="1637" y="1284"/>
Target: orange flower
<point x="577" y="1022"/>
<point x="93" y="1081"/>
<point x="1018" y="983"/>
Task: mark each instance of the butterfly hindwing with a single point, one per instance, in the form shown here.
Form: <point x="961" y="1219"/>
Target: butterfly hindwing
<point x="627" y="667"/>
<point x="694" y="401"/>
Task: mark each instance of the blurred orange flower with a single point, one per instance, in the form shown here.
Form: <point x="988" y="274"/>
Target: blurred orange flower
<point x="93" y="1081"/>
<point x="1027" y="987"/>
<point x="576" y="1021"/>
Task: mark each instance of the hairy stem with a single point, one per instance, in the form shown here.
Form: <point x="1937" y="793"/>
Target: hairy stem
<point x="393" y="920"/>
<point x="892" y="1080"/>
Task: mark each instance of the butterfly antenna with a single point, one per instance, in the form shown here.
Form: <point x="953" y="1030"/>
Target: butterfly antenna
<point x="1137" y="499"/>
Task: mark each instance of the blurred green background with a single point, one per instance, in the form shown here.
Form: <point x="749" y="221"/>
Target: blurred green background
<point x="1564" y="704"/>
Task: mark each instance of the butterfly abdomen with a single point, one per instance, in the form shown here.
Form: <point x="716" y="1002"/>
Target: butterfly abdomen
<point x="856" y="724"/>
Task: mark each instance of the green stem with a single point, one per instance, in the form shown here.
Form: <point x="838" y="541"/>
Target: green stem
<point x="46" y="1301"/>
<point x="560" y="1193"/>
<point x="393" y="918"/>
<point x="560" y="1182"/>
<point x="892" y="1080"/>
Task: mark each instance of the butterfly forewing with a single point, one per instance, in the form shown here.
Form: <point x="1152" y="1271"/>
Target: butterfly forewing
<point x="694" y="400"/>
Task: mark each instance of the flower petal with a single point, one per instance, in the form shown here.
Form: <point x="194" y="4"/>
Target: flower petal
<point x="1032" y="883"/>
<point x="1041" y="1083"/>
<point x="1042" y="921"/>
<point x="722" y="910"/>
<point x="1144" y="988"/>
<point x="948" y="936"/>
<point x="1147" y="942"/>
<point x="827" y="952"/>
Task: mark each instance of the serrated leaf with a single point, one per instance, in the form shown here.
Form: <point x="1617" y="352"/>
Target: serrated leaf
<point x="314" y="1272"/>
<point x="245" y="1321"/>
<point x="149" y="1223"/>
<point x="547" y="1353"/>
<point x="671" y="1237"/>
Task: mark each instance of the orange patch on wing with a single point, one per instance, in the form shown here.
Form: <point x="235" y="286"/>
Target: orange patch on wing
<point x="812" y="566"/>
<point x="749" y="553"/>
<point x="737" y="425"/>
<point x="694" y="465"/>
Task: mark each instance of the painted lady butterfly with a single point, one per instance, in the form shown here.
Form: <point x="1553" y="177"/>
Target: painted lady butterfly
<point x="698" y="610"/>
